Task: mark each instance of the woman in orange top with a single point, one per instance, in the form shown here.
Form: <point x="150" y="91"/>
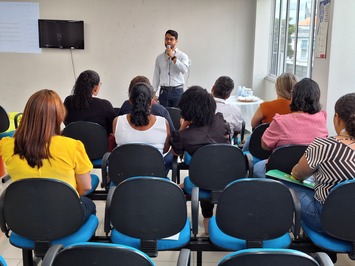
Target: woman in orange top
<point x="265" y="113"/>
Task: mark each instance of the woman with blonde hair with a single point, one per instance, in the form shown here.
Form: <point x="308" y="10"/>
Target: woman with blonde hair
<point x="267" y="110"/>
<point x="37" y="148"/>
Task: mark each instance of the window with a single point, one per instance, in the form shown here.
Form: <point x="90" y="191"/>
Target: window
<point x="293" y="37"/>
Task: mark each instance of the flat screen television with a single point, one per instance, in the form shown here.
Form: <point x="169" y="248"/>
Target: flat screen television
<point x="62" y="34"/>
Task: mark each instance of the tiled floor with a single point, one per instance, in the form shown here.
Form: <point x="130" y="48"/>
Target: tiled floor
<point x="13" y="256"/>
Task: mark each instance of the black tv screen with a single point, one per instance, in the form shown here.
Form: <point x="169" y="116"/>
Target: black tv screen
<point x="63" y="34"/>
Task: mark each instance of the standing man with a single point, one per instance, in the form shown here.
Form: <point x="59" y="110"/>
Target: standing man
<point x="169" y="71"/>
<point x="221" y="91"/>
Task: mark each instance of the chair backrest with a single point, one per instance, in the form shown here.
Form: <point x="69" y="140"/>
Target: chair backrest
<point x="93" y="136"/>
<point x="338" y="214"/>
<point x="255" y="142"/>
<point x="175" y="116"/>
<point x="135" y="159"/>
<point x="255" y="209"/>
<point x="4" y="120"/>
<point x="285" y="158"/>
<point x="40" y="209"/>
<point x="214" y="166"/>
<point x="117" y="110"/>
<point x="275" y="257"/>
<point x="154" y="208"/>
<point x="98" y="254"/>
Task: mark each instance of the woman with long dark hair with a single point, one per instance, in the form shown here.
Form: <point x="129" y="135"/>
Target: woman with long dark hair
<point x="305" y="122"/>
<point x="84" y="105"/>
<point x="140" y="126"/>
<point x="330" y="161"/>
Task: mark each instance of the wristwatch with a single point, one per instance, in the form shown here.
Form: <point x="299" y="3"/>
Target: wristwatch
<point x="174" y="57"/>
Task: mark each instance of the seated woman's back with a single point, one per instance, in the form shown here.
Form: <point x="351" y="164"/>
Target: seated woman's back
<point x="304" y="124"/>
<point x="82" y="106"/>
<point x="200" y="126"/>
<point x="267" y="110"/>
<point x="140" y="126"/>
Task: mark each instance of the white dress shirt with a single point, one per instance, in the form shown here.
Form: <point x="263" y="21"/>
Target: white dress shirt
<point x="231" y="114"/>
<point x="170" y="74"/>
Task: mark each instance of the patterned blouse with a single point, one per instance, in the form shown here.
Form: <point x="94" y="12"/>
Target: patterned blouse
<point x="333" y="162"/>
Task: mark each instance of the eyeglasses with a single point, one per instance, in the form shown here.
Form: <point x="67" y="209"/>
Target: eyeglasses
<point x="169" y="39"/>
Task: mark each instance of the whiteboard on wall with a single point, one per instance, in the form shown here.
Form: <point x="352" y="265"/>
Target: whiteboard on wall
<point x="19" y="27"/>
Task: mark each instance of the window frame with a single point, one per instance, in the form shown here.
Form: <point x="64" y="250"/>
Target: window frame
<point x="278" y="59"/>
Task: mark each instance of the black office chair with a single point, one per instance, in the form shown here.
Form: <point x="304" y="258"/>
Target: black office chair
<point x="255" y="148"/>
<point x="275" y="257"/>
<point x="255" y="213"/>
<point x="128" y="160"/>
<point x="36" y="213"/>
<point x="142" y="212"/>
<point x="175" y="116"/>
<point x="284" y="158"/>
<point x="4" y="120"/>
<point x="213" y="167"/>
<point x="240" y="141"/>
<point x="178" y="163"/>
<point x="103" y="254"/>
<point x="93" y="136"/>
<point x="4" y="126"/>
<point x="338" y="219"/>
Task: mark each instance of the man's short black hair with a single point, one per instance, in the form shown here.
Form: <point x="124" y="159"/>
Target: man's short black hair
<point x="223" y="87"/>
<point x="172" y="33"/>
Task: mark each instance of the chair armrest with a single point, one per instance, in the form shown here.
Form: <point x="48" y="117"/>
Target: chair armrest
<point x="250" y="164"/>
<point x="195" y="209"/>
<point x="174" y="168"/>
<point x="3" y="225"/>
<point x="184" y="257"/>
<point x="51" y="254"/>
<point x="323" y="259"/>
<point x="107" y="219"/>
<point x="17" y="119"/>
<point x="296" y="228"/>
<point x="104" y="167"/>
<point x="242" y="132"/>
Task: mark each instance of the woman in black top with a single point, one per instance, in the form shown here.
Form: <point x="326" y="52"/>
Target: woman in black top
<point x="83" y="105"/>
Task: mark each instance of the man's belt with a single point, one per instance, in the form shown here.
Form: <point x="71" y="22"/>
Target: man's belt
<point x="171" y="87"/>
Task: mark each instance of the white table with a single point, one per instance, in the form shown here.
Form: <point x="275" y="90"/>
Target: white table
<point x="247" y="108"/>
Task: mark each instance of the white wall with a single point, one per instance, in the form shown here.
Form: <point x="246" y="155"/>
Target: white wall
<point x="263" y="35"/>
<point x="123" y="38"/>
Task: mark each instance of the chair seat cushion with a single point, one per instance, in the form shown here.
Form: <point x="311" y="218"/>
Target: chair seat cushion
<point x="85" y="232"/>
<point x="327" y="242"/>
<point x="163" y="244"/>
<point x="224" y="241"/>
<point x="188" y="186"/>
<point x="94" y="183"/>
<point x="97" y="163"/>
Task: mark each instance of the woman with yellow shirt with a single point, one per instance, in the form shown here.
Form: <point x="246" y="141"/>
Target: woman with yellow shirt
<point x="38" y="150"/>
